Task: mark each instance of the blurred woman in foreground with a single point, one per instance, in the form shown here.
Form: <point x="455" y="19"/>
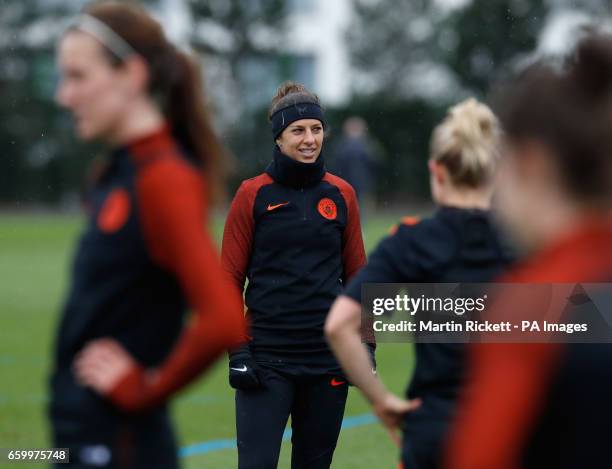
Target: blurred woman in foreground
<point x="548" y="405"/>
<point x="122" y="348"/>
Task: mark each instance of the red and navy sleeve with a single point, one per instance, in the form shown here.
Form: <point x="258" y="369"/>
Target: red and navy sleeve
<point x="508" y="383"/>
<point x="172" y="208"/>
<point x="353" y="251"/>
<point x="495" y="412"/>
<point x="238" y="234"/>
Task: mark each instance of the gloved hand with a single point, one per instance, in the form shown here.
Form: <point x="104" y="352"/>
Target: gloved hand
<point x="243" y="371"/>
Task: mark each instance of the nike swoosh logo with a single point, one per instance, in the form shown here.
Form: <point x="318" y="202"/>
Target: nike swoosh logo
<point x="242" y="369"/>
<point x="272" y="207"/>
<point x="335" y="382"/>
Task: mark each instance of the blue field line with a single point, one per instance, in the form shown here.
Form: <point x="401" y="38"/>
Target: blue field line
<point x="217" y="445"/>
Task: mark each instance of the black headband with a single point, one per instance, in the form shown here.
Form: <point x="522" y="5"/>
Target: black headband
<point x="281" y="119"/>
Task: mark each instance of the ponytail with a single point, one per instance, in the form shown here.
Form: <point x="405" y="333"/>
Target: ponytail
<point x="290" y="93"/>
<point x="191" y="123"/>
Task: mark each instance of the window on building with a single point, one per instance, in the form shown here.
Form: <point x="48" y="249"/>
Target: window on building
<point x="300" y="68"/>
<point x="262" y="75"/>
<point x="301" y="6"/>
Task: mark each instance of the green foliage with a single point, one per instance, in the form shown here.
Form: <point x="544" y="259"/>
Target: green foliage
<point x="393" y="41"/>
<point x="42" y="161"/>
<point x="402" y="131"/>
<point x="490" y="34"/>
<point x="390" y="39"/>
<point x="241" y="39"/>
<point x="390" y="42"/>
<point x="240" y="20"/>
<point x="40" y="158"/>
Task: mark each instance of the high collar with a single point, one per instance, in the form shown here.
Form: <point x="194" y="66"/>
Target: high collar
<point x="147" y="146"/>
<point x="292" y="173"/>
<point x="453" y="210"/>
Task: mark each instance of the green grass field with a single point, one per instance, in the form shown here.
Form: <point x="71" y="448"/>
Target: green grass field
<point x="35" y="252"/>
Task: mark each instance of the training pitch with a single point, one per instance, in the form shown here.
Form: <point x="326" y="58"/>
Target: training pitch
<point x="35" y="254"/>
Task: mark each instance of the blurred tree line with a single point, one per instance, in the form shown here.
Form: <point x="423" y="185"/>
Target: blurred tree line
<point x="32" y="133"/>
<point x="411" y="60"/>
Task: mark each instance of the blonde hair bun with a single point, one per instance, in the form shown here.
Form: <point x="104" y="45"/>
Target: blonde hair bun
<point x="467" y="142"/>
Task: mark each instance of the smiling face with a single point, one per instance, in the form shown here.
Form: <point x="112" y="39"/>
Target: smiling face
<point x="302" y="140"/>
<point x="96" y="93"/>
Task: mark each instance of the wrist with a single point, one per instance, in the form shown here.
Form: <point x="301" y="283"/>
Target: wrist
<point x="377" y="393"/>
<point x="133" y="392"/>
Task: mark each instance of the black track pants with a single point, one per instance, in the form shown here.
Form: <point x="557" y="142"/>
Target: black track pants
<point x="316" y="405"/>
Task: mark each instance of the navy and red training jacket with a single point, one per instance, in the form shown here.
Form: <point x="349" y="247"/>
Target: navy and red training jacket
<point x="143" y="258"/>
<point x="544" y="405"/>
<point x="454" y="245"/>
<point x="294" y="233"/>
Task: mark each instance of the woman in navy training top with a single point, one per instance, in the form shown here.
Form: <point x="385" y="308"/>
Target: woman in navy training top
<point x="457" y="244"/>
<point x="294" y="233"/>
<point x="123" y="346"/>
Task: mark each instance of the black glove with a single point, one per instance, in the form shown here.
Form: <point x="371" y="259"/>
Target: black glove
<point x="243" y="371"/>
<point x="372" y="353"/>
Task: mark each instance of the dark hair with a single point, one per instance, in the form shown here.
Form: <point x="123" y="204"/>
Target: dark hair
<point x="289" y="93"/>
<point x="175" y="83"/>
<point x="569" y="110"/>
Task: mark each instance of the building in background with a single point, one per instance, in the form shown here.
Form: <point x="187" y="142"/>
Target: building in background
<point x="319" y="41"/>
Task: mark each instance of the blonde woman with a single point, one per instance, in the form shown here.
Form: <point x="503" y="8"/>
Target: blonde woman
<point x="457" y="244"/>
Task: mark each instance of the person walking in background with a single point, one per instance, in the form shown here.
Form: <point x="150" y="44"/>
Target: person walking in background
<point x="548" y="405"/>
<point x="459" y="243"/>
<point x="294" y="233"/>
<point x="355" y="158"/>
<point x="122" y="348"/>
